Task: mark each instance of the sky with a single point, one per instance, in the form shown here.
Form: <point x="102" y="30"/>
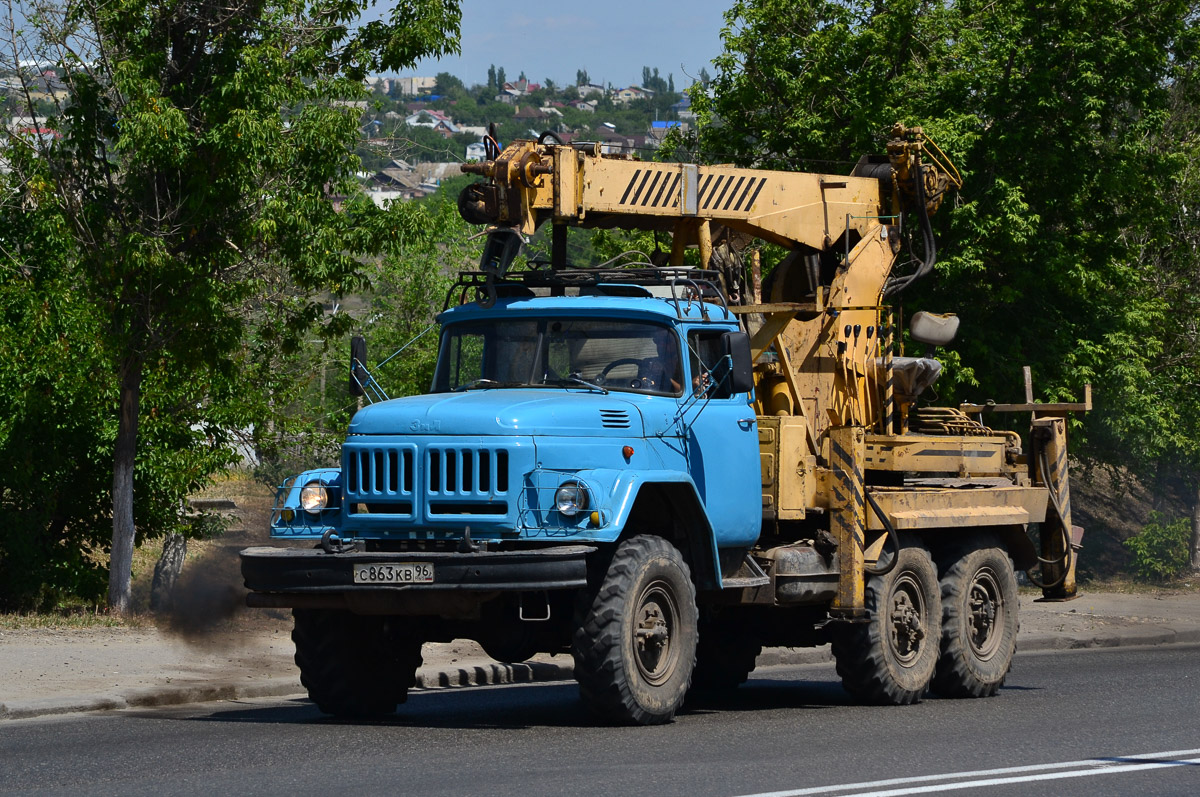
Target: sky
<point x="612" y="40"/>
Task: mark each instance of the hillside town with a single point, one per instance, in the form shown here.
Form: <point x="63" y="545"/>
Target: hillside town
<point x="417" y="130"/>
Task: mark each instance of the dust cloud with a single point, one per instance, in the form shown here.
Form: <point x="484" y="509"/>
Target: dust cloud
<point x="207" y="600"/>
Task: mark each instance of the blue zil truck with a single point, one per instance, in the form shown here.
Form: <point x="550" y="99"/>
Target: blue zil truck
<point x="660" y="469"/>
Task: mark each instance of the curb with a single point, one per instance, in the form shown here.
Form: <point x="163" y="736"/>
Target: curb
<point x="493" y="673"/>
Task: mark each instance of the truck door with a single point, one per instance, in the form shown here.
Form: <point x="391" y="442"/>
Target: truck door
<point x="721" y="439"/>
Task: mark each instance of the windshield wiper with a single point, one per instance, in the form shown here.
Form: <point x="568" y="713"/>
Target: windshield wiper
<point x="485" y="383"/>
<point x="578" y="380"/>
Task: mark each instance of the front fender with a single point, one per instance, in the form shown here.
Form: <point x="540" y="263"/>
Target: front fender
<point x="630" y="493"/>
<point x="289" y="521"/>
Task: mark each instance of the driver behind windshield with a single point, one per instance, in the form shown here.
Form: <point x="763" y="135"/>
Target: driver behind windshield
<point x="663" y="371"/>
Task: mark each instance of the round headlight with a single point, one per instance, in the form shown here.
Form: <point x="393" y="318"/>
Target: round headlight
<point x="313" y="497"/>
<point x="571" y="499"/>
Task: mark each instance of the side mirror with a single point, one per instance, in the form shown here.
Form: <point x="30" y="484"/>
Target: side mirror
<point x="358" y="365"/>
<point x="736" y="346"/>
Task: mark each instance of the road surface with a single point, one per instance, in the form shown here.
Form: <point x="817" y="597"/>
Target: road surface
<point x="1099" y="722"/>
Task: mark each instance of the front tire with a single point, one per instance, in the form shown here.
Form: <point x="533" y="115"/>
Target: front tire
<point x="890" y="659"/>
<point x="979" y="624"/>
<point x="355" y="665"/>
<point x="635" y="640"/>
<point x="726" y="653"/>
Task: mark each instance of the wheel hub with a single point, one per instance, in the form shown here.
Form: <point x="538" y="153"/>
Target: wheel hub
<point x="653" y="626"/>
<point x="983" y="608"/>
<point x="907" y="627"/>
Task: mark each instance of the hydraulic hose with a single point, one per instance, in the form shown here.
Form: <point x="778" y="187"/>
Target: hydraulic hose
<point x="891" y="533"/>
<point x="929" y="258"/>
<point x="1065" y="559"/>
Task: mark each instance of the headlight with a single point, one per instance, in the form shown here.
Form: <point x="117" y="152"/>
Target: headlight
<point x="571" y="499"/>
<point x="314" y="497"/>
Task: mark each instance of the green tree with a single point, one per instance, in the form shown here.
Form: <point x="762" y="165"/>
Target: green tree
<point x="446" y="83"/>
<point x="1058" y="117"/>
<point x="430" y="245"/>
<point x="198" y="158"/>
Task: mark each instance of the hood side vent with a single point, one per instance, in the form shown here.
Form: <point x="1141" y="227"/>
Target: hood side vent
<point x="614" y="419"/>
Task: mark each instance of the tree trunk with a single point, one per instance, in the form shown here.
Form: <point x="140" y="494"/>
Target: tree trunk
<point x="1196" y="533"/>
<point x="120" y="567"/>
<point x="167" y="571"/>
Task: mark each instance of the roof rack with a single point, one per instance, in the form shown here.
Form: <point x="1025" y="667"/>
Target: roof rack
<point x="687" y="284"/>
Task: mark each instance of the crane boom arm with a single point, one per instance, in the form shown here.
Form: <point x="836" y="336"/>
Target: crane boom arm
<point x="531" y="182"/>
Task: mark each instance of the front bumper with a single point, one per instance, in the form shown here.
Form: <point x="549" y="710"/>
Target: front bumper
<point x="304" y="571"/>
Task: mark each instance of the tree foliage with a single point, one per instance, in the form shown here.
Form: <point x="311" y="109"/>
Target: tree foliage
<point x="1074" y="126"/>
<point x="1161" y="551"/>
<point x="190" y="186"/>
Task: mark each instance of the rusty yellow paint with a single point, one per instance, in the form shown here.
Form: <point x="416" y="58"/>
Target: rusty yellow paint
<point x="875" y="550"/>
<point x="934" y="508"/>
<point x="848" y="517"/>
<point x="788" y="468"/>
<point x="980" y="456"/>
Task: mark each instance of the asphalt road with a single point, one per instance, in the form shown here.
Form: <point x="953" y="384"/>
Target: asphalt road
<point x="1071" y="723"/>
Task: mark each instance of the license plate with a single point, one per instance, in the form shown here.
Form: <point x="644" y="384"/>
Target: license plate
<point x="399" y="573"/>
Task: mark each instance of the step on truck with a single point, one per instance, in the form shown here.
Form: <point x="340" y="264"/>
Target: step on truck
<point x="662" y="467"/>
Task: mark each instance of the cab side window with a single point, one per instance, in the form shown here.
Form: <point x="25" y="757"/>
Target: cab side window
<point x="706" y="369"/>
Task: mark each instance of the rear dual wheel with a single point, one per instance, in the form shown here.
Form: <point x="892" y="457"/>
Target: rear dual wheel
<point x="891" y="658"/>
<point x="979" y="623"/>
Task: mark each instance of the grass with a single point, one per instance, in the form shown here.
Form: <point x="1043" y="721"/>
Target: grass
<point x="1122" y="585"/>
<point x="71" y="619"/>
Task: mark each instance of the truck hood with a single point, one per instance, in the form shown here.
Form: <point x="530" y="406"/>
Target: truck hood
<point x="504" y="412"/>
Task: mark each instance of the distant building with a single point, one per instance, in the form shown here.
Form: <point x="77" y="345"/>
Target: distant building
<point x="683" y="109"/>
<point x="398" y="181"/>
<point x="588" y="89"/>
<point x="438" y="121"/>
<point x="521" y="87"/>
<point x="529" y="114"/>
<point x="659" y="130"/>
<point x="613" y="143"/>
<point x="630" y="93"/>
<point x="412" y="86"/>
<point x="476" y="151"/>
<point x="46" y="86"/>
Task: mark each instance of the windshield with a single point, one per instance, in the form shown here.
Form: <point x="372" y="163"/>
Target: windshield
<point x="559" y="352"/>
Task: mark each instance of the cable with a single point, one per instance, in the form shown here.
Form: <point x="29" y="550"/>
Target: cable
<point x="1065" y="559"/>
<point x="891" y="533"/>
<point x="898" y="284"/>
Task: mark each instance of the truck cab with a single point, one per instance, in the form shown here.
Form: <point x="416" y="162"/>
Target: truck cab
<point x="555" y="428"/>
<point x="547" y="419"/>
